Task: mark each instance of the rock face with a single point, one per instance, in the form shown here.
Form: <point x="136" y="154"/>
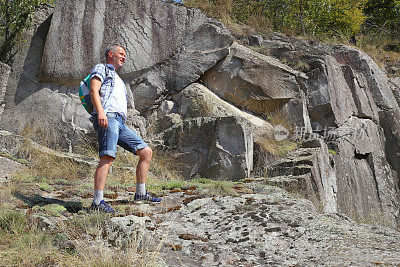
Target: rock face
<point x="168" y="45"/>
<point x="30" y="105"/>
<point x="308" y="170"/>
<point x="367" y="186"/>
<point x="376" y="82"/>
<point x="4" y="73"/>
<point x="330" y="102"/>
<point x="253" y="81"/>
<point x="218" y="148"/>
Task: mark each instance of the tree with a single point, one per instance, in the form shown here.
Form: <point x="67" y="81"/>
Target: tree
<point x="14" y="18"/>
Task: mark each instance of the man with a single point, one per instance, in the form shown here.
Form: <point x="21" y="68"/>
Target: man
<point x="108" y="94"/>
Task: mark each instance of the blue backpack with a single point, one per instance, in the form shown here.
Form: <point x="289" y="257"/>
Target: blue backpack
<point x="84" y="89"/>
<point x="84" y="96"/>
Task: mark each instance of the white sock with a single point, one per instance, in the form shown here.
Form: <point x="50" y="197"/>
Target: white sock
<point x="98" y="196"/>
<point x="141" y="188"/>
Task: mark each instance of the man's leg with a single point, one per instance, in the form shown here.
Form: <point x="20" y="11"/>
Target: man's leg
<point x="100" y="177"/>
<point x="108" y="139"/>
<point x="142" y="169"/>
<point x="130" y="141"/>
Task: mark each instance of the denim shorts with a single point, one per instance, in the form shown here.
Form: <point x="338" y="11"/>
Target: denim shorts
<point x="117" y="133"/>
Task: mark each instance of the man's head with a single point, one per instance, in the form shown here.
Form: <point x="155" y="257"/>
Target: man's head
<point x="115" y="55"/>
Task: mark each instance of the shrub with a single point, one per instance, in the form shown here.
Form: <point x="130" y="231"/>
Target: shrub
<point x="384" y="15"/>
<point x="313" y="17"/>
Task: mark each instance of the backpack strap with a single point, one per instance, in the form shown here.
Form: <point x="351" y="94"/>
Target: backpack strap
<point x="112" y="82"/>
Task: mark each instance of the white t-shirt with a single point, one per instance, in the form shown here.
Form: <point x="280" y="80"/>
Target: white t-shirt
<point x="117" y="101"/>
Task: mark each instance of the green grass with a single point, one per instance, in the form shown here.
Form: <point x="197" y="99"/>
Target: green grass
<point x="331" y="151"/>
<point x="27" y="177"/>
<point x="208" y="186"/>
<point x="45" y="187"/>
<point x="62" y="182"/>
<point x="53" y="210"/>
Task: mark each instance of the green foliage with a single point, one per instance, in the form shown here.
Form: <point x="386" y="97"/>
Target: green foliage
<point x="12" y="222"/>
<point x="315" y="17"/>
<point x="312" y="17"/>
<point x="384" y="14"/>
<point x="52" y="209"/>
<point x="45" y="187"/>
<point x="15" y="16"/>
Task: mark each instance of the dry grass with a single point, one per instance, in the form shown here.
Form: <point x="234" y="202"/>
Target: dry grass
<point x="165" y="166"/>
<point x="269" y="142"/>
<point x="279" y="118"/>
<point x="382" y="57"/>
<point x="77" y="242"/>
<point x="222" y="10"/>
<point x="211" y="187"/>
<point x="86" y="238"/>
<point x="23" y="243"/>
<point x="49" y="163"/>
<point x="219" y="9"/>
<point x="278" y="148"/>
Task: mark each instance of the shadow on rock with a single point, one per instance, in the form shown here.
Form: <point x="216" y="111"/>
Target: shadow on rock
<point x="37" y="200"/>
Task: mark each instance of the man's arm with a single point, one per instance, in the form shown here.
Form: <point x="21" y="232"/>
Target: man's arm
<point x="95" y="84"/>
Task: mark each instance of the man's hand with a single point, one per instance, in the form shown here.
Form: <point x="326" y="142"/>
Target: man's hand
<point x="103" y="121"/>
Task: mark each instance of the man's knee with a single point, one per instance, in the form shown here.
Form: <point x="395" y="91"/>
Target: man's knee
<point x="106" y="160"/>
<point x="145" y="153"/>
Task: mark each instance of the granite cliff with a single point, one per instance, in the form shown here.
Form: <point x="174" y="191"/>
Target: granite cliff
<point x="196" y="89"/>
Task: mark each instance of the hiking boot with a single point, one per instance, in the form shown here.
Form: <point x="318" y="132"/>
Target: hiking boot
<point x="103" y="207"/>
<point x="146" y="198"/>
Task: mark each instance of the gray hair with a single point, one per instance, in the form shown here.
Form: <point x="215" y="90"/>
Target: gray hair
<point x="112" y="48"/>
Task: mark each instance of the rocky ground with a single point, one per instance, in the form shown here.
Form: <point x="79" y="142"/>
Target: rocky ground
<point x="266" y="227"/>
<point x="248" y="223"/>
<point x="8" y="167"/>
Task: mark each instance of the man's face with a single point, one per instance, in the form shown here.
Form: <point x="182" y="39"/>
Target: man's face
<point x="118" y="57"/>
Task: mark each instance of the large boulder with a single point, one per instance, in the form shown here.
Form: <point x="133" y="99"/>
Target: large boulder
<point x="168" y="45"/>
<point x="217" y="148"/>
<point x="198" y="101"/>
<point x="295" y="113"/>
<point x="253" y="81"/>
<point x="61" y="117"/>
<point x="330" y="101"/>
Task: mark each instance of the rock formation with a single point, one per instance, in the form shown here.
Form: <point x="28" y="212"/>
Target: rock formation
<point x="4" y="74"/>
<point x="196" y="91"/>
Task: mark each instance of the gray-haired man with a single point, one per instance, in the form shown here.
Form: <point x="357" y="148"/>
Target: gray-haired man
<point x="108" y="94"/>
